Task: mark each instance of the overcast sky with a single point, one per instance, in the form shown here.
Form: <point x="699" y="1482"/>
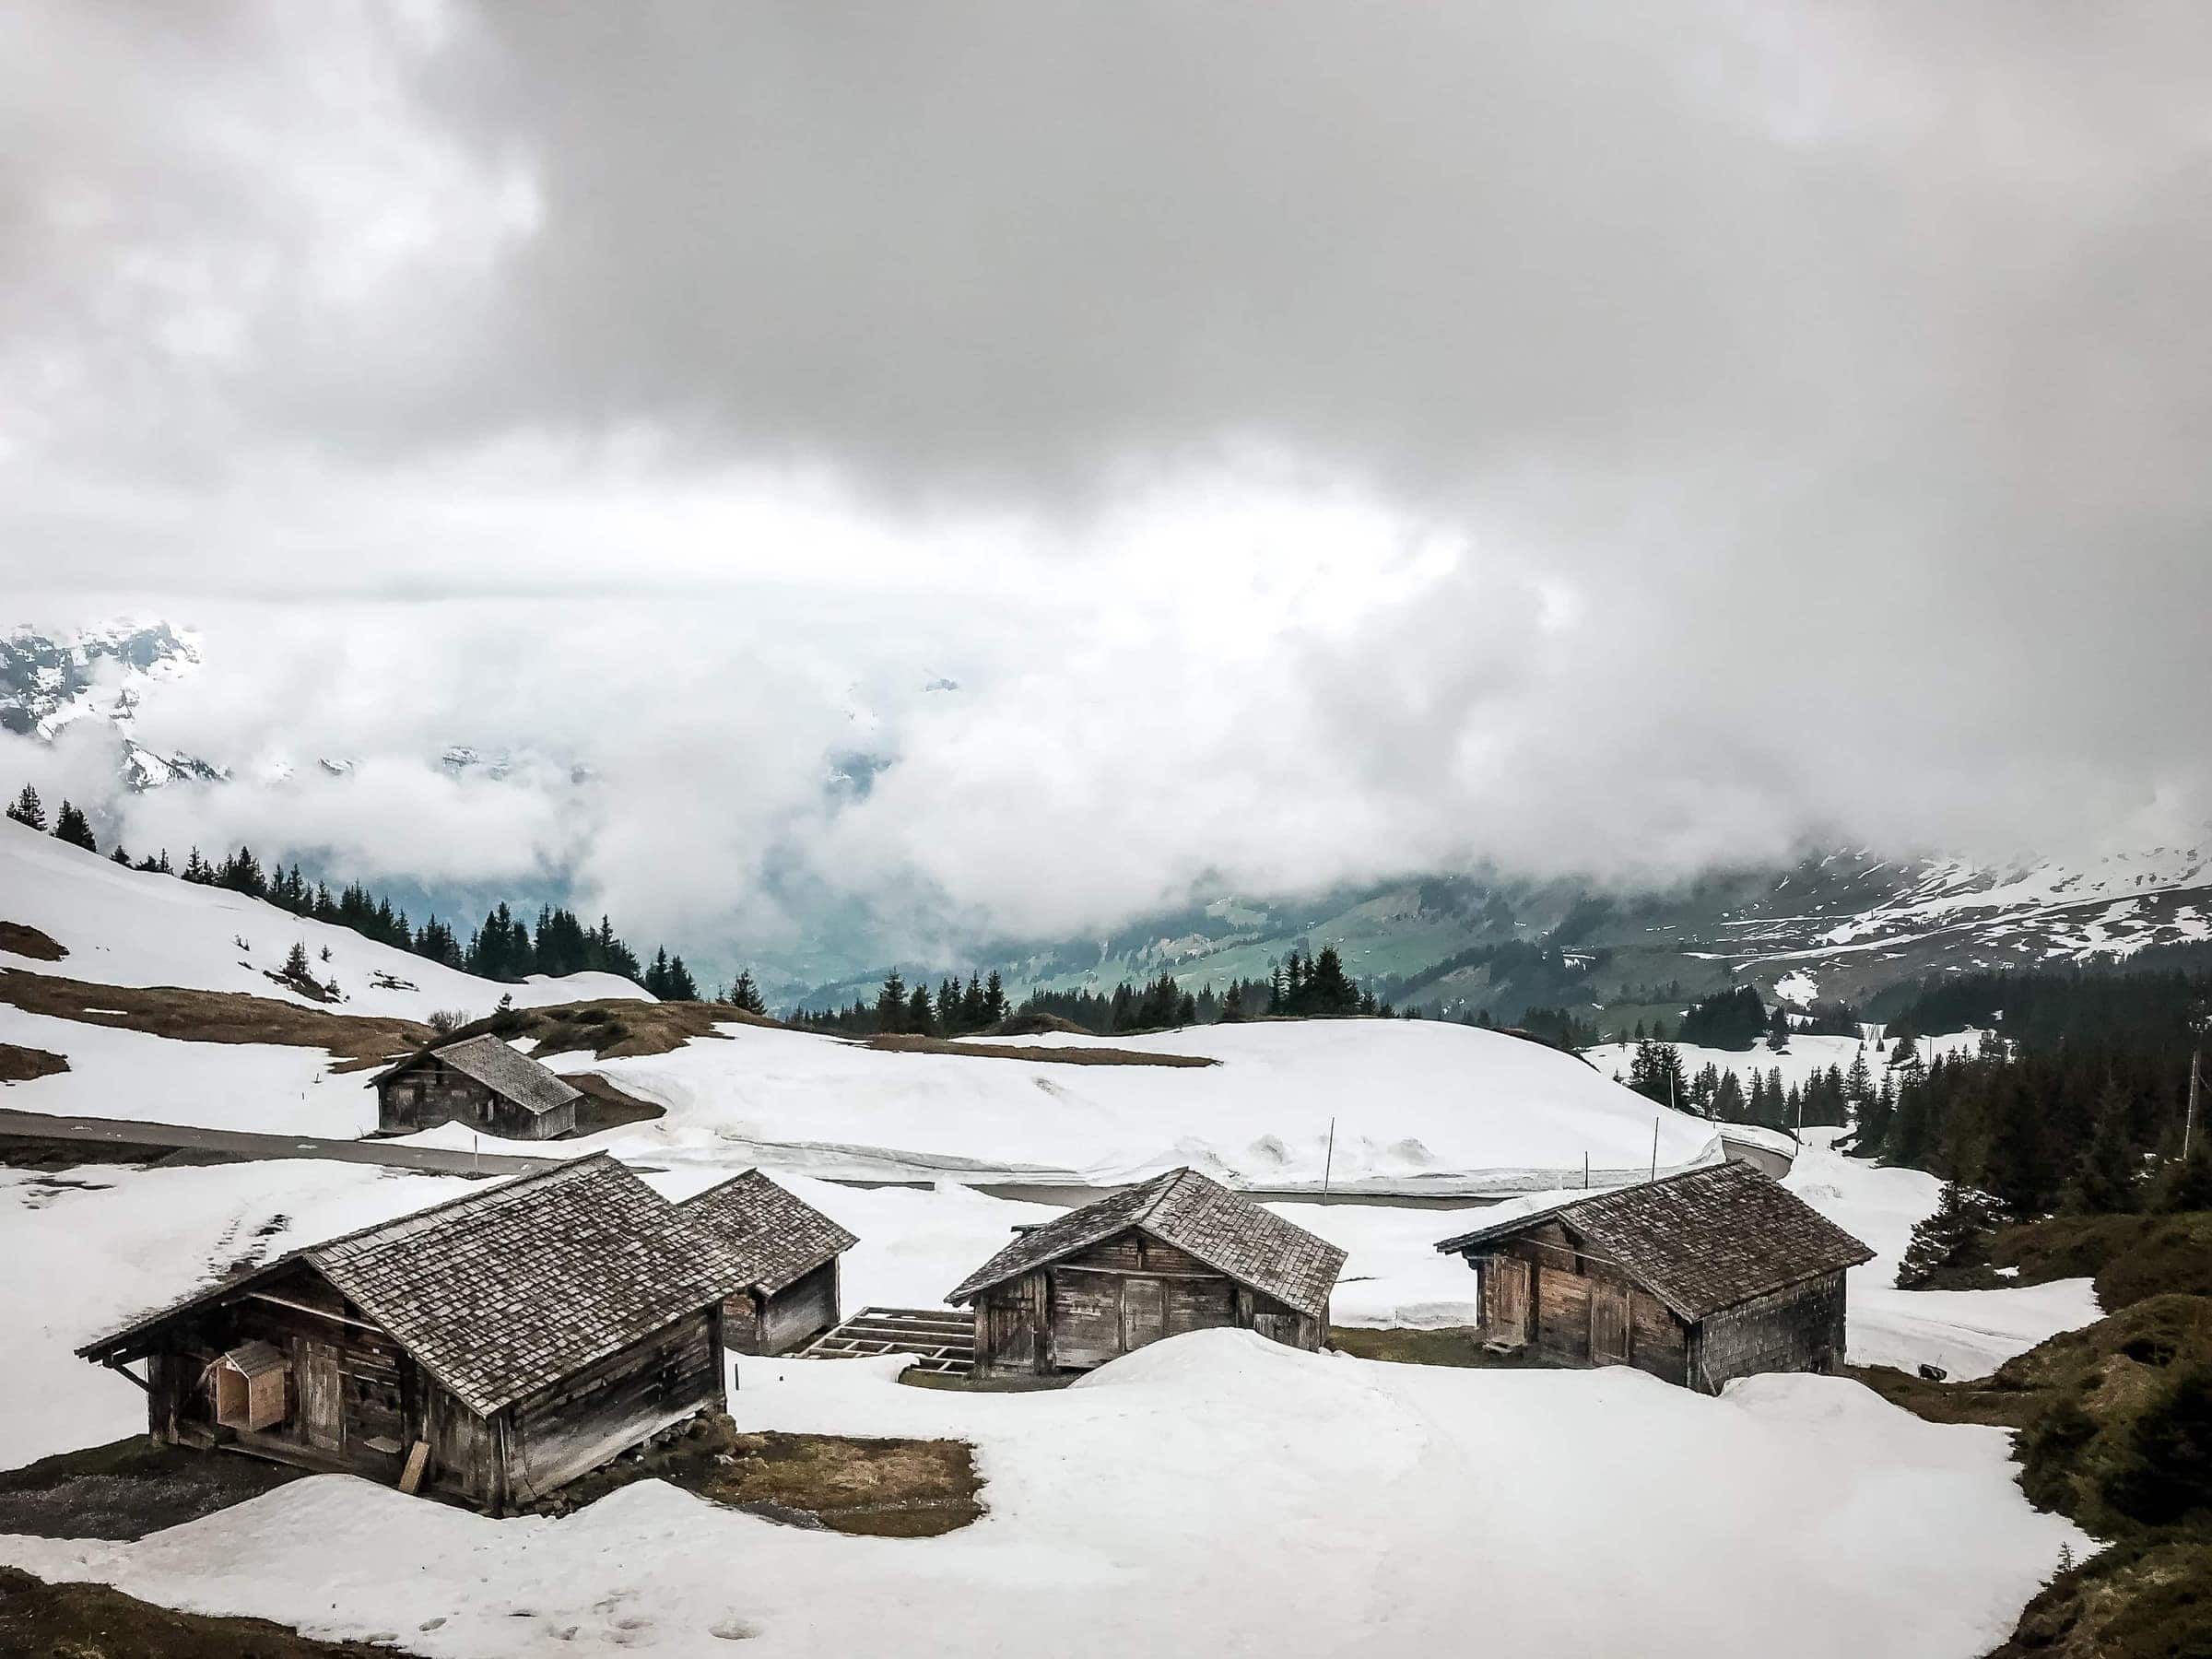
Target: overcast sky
<point x="1319" y="440"/>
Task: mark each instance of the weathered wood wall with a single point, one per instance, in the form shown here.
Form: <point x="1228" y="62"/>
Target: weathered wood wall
<point x="578" y="1423"/>
<point x="1796" y="1329"/>
<point x="432" y="1093"/>
<point x="795" y="1315"/>
<point x="1562" y="1307"/>
<point x="1112" y="1297"/>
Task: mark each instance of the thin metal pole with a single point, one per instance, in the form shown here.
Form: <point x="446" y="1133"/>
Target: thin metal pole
<point x="1586" y="1168"/>
<point x="1328" y="1166"/>
<point x="1654" y="1148"/>
<point x="2196" y="1066"/>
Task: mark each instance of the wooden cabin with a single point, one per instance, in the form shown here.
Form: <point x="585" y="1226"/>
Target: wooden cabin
<point x="787" y="1253"/>
<point x="482" y="1082"/>
<point x="491" y="1348"/>
<point x="1698" y="1279"/>
<point x="1179" y="1254"/>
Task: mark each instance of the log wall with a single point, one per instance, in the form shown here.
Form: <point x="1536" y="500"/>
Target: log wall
<point x="1113" y="1297"/>
<point x="1797" y="1329"/>
<point x="578" y="1423"/>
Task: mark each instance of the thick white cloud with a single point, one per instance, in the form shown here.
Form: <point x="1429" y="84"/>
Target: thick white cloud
<point x="1320" y="441"/>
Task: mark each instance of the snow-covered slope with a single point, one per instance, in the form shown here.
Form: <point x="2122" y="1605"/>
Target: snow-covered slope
<point x="1215" y="1493"/>
<point x="128" y="927"/>
<point x="1411" y="1101"/>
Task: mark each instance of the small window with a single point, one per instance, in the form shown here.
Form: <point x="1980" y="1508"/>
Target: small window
<point x="249" y="1387"/>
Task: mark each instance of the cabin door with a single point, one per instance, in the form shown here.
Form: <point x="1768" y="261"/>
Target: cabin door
<point x="1143" y="1312"/>
<point x="1508" y="1298"/>
<point x="1608" y="1324"/>
<point x="321" y="1400"/>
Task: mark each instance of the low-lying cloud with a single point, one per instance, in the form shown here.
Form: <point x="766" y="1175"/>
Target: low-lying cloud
<point x="1320" y="442"/>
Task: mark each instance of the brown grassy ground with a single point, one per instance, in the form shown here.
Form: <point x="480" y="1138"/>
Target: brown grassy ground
<point x="2097" y="1409"/>
<point x="884" y="1488"/>
<point x="96" y="1621"/>
<point x="356" y="1041"/>
<point x="21" y="1065"/>
<point x="2131" y="1257"/>
<point x="25" y="941"/>
<point x="1008" y="1051"/>
<point x="1453" y="1344"/>
<point x="612" y="1028"/>
<point x="128" y="1488"/>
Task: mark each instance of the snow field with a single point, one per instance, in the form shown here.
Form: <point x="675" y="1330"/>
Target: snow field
<point x="1213" y="1494"/>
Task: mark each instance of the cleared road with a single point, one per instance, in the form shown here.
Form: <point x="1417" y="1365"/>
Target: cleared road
<point x="248" y="1145"/>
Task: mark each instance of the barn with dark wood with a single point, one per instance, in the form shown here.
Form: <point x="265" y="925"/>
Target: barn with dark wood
<point x="1698" y="1279"/>
<point x="492" y="1349"/>
<point x="482" y="1082"/>
<point x="786" y="1253"/>
<point x="1180" y="1253"/>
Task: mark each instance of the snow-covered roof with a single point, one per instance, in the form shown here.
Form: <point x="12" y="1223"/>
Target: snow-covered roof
<point x="499" y="1292"/>
<point x="1201" y="1217"/>
<point x="776" y="1237"/>
<point x="506" y="1071"/>
<point x="1701" y="1241"/>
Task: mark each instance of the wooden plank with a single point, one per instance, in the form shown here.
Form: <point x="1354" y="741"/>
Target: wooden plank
<point x="411" y="1477"/>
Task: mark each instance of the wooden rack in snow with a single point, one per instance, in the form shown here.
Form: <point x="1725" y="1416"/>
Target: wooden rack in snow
<point x="943" y="1340"/>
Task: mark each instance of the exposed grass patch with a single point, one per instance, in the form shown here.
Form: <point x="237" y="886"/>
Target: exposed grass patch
<point x="21" y="1065"/>
<point x="18" y="939"/>
<point x="884" y="1488"/>
<point x="1451" y="1345"/>
<point x="612" y="1027"/>
<point x="128" y="1488"/>
<point x="98" y="1621"/>
<point x="2131" y="1257"/>
<point x="2115" y="1426"/>
<point x="910" y="1044"/>
<point x="355" y="1040"/>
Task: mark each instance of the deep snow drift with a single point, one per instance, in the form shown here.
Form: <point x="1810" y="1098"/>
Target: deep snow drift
<point x="1213" y="1494"/>
<point x="1414" y="1102"/>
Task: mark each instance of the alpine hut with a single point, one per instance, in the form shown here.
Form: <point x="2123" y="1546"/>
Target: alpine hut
<point x="786" y="1253"/>
<point x="492" y="1347"/>
<point x="1178" y="1253"/>
<point x="1698" y="1278"/>
<point x="481" y="1081"/>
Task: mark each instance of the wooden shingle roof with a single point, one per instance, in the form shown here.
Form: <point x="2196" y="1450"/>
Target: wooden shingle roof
<point x="775" y="1237"/>
<point x="499" y="1292"/>
<point x="511" y="1075"/>
<point x="1701" y="1241"/>
<point x="1224" y="1229"/>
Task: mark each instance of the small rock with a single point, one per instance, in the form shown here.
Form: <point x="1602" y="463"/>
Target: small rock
<point x="1934" y="1373"/>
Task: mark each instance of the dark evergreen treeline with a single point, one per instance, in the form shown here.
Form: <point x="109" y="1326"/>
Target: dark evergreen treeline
<point x="1301" y="986"/>
<point x="1729" y="1019"/>
<point x="1827" y="1098"/>
<point x="954" y="1010"/>
<point x="2079" y="1103"/>
<point x="502" y="946"/>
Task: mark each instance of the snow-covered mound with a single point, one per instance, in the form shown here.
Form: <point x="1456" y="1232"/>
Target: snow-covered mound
<point x="126" y="927"/>
<point x="1215" y="1493"/>
<point x="1412" y="1101"/>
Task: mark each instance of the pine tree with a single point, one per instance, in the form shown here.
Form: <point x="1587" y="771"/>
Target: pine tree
<point x="890" y="1003"/>
<point x="71" y="826"/>
<point x="995" y="999"/>
<point x="120" y="856"/>
<point x="295" y="962"/>
<point x="921" y="1019"/>
<point x="2105" y="1181"/>
<point x="1232" y="1004"/>
<point x="747" y="996"/>
<point x="28" y="811"/>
